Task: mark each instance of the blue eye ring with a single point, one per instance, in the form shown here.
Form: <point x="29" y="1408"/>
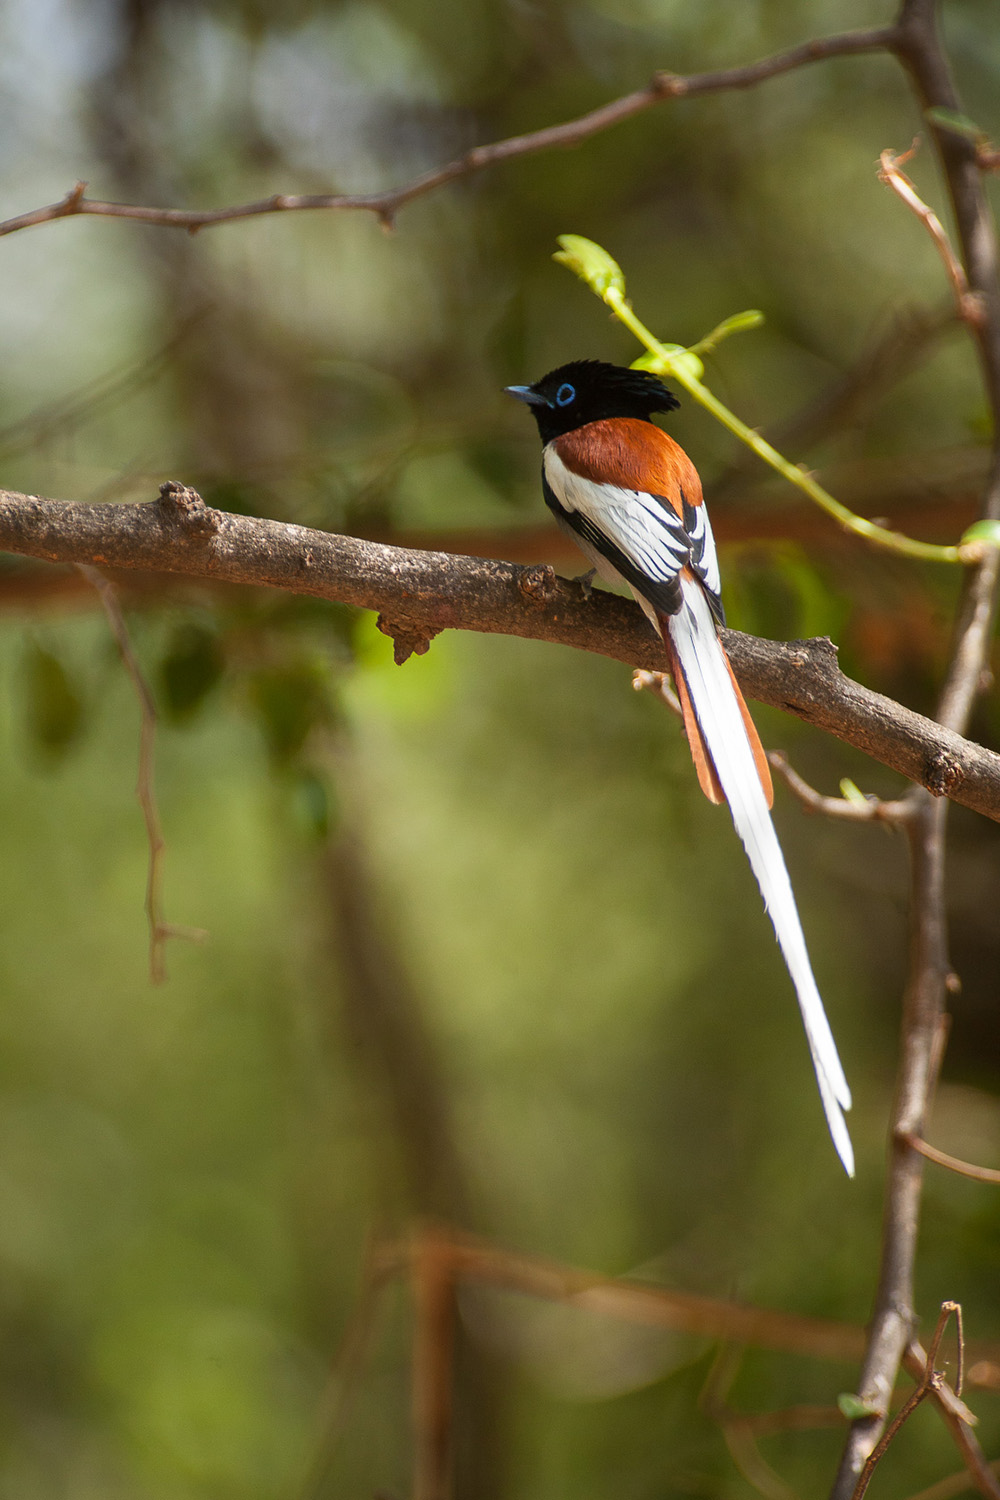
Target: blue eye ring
<point x="565" y="394"/>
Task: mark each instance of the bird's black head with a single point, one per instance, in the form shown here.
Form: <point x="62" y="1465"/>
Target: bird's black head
<point x="588" y="390"/>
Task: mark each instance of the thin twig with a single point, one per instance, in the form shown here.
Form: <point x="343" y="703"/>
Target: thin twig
<point x="953" y="1163"/>
<point x="145" y="788"/>
<point x="385" y="206"/>
<point x="959" y="1420"/>
<point x="480" y="1262"/>
<point x="946" y="1396"/>
<point x="902" y="1416"/>
<point x="970" y="307"/>
<point x="651" y="1306"/>
<point x="870" y="810"/>
<point x="949" y="1310"/>
<point x="930" y="1380"/>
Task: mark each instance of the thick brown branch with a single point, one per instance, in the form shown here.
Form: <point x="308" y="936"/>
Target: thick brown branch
<point x="419" y="593"/>
<point x="570" y="133"/>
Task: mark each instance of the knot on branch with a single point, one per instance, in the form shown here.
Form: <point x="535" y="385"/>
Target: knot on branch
<point x="538" y="584"/>
<point x="668" y="85"/>
<point x="186" y="507"/>
<point x="816" y="648"/>
<point x="407" y="639"/>
<point x="943" y="774"/>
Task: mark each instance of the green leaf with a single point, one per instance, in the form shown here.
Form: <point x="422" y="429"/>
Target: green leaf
<point x="190" y="669"/>
<point x="742" y="322"/>
<point x="591" y="263"/>
<point x="958" y="124"/>
<point x="854" y="1409"/>
<point x="55" y="710"/>
<point x="982" y="531"/>
<point x="851" y="792"/>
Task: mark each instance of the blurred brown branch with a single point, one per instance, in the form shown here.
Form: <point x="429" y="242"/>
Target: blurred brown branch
<point x="421" y="593"/>
<point x="439" y="1259"/>
<point x="570" y="133"/>
<point x="479" y="1262"/>
<point x="145" y="788"/>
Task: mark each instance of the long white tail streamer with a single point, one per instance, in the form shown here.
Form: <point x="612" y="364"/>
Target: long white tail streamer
<point x="699" y="651"/>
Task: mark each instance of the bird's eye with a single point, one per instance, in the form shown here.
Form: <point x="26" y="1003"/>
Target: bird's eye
<point x="565" y="394"/>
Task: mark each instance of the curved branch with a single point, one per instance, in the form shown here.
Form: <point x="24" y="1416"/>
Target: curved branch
<point x="420" y="593"/>
<point x="386" y="205"/>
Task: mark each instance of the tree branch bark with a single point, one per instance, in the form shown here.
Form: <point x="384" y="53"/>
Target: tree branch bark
<point x="418" y="594"/>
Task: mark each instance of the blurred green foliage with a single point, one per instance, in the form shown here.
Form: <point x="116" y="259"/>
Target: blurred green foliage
<point x="574" y="1025"/>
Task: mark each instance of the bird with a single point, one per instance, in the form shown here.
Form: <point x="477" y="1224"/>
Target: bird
<point x="631" y="499"/>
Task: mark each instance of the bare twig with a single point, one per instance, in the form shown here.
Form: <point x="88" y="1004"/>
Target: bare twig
<point x="948" y="1310"/>
<point x="953" y="1163"/>
<point x="459" y="1258"/>
<point x="931" y="1380"/>
<point x="145" y="789"/>
<point x="952" y="1409"/>
<point x="480" y="1262"/>
<point x="385" y="206"/>
<point x="477" y="1261"/>
<point x="970" y="307"/>
<point x="431" y="591"/>
<point x="871" y="810"/>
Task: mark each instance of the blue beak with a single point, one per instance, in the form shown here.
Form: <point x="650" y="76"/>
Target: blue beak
<point x="527" y="394"/>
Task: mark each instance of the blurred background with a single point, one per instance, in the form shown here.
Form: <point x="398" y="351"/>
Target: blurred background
<point x="478" y="949"/>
